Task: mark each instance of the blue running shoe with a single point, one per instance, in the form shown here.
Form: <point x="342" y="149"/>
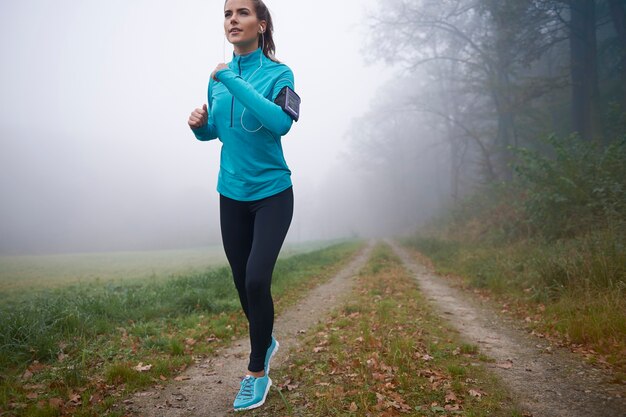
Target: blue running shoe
<point x="252" y="392"/>
<point x="271" y="351"/>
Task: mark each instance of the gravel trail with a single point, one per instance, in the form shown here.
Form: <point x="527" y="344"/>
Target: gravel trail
<point x="548" y="382"/>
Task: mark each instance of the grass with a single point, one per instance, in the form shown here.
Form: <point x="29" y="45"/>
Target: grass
<point x="572" y="290"/>
<point x="25" y="274"/>
<point x="106" y="340"/>
<point x="385" y="353"/>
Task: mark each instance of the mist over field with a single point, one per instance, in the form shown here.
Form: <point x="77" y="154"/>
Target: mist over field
<point x="407" y="107"/>
<point x="95" y="151"/>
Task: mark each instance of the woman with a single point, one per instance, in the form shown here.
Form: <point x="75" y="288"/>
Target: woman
<point x="254" y="182"/>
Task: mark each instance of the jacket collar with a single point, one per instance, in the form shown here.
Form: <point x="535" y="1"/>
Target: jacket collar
<point x="248" y="61"/>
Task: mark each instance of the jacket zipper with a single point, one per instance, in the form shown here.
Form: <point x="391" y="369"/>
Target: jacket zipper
<point x="232" y="103"/>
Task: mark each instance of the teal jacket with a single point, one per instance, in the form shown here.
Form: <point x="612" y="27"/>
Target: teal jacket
<point x="243" y="115"/>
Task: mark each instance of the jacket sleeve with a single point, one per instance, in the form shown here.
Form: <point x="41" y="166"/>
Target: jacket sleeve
<point x="208" y="131"/>
<point x="270" y="114"/>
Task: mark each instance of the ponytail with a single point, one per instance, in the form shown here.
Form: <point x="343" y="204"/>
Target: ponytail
<point x="266" y="39"/>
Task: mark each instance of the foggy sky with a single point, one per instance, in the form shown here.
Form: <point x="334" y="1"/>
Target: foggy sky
<point x="95" y="151"/>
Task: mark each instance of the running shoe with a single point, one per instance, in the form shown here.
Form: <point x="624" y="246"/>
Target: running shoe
<point x="271" y="351"/>
<point x="252" y="393"/>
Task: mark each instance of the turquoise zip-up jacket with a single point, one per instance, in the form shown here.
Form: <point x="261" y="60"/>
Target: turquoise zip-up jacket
<point x="243" y="115"/>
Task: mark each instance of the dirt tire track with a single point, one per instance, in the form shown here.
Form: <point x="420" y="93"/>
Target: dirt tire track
<point x="214" y="382"/>
<point x="547" y="385"/>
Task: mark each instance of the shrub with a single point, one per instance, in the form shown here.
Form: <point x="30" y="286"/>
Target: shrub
<point x="580" y="186"/>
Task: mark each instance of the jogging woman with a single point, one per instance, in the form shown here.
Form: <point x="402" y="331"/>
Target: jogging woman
<point x="254" y="182"/>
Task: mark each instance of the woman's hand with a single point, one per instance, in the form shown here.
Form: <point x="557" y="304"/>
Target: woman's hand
<point x="219" y="67"/>
<point x="198" y="117"/>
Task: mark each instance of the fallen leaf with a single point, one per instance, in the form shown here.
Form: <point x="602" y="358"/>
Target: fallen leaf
<point x="475" y="393"/>
<point x="33" y="387"/>
<point x="353" y="407"/>
<point x="182" y="378"/>
<point x="95" y="399"/>
<point x="55" y="402"/>
<point x="36" y="367"/>
<point x="142" y="368"/>
<point x="451" y="397"/>
<point x="427" y="358"/>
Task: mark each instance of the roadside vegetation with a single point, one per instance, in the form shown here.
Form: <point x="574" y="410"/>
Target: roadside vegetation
<point x="76" y="350"/>
<point x="385" y="353"/>
<point x="550" y="245"/>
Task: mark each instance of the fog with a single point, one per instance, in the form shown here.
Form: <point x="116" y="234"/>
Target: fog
<point x="96" y="154"/>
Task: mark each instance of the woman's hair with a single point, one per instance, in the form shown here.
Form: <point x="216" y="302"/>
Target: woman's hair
<point x="266" y="39"/>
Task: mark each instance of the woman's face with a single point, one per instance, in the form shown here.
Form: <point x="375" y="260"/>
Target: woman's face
<point x="241" y="25"/>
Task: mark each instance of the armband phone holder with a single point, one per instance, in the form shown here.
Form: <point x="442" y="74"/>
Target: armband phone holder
<point x="289" y="101"/>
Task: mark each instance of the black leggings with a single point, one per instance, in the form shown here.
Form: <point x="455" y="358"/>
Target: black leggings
<point x="253" y="233"/>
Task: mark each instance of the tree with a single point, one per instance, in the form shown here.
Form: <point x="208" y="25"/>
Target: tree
<point x="618" y="16"/>
<point x="489" y="42"/>
<point x="584" y="68"/>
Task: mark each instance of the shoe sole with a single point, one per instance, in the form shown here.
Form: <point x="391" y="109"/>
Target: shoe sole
<point x="260" y="403"/>
<point x="272" y="356"/>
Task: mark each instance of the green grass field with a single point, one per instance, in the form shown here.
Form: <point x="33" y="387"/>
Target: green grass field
<point x="32" y="273"/>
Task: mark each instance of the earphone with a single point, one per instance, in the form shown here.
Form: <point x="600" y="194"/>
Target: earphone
<point x="250" y="77"/>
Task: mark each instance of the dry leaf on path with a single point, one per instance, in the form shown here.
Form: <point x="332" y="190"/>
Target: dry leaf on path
<point x="142" y="368"/>
<point x="451" y="397"/>
<point x="476" y="393"/>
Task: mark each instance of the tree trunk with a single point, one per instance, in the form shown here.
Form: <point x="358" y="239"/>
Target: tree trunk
<point x="506" y="124"/>
<point x="618" y="15"/>
<point x="450" y="109"/>
<point x="584" y="69"/>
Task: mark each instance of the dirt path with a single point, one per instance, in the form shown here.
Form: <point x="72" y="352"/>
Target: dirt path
<point x="213" y="383"/>
<point x="556" y="384"/>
